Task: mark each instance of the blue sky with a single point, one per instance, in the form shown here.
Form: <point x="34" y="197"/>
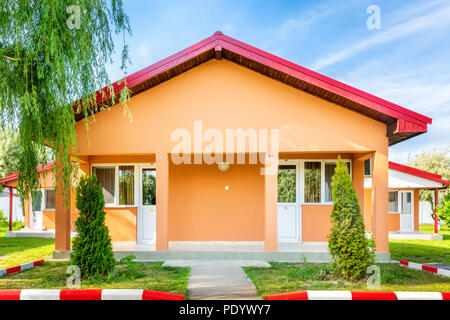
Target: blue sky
<point x="406" y="62"/>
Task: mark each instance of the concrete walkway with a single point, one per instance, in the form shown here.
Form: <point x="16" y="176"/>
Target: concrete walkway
<point x="219" y="280"/>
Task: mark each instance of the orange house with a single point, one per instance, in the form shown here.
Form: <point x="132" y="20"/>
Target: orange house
<point x="197" y="166"/>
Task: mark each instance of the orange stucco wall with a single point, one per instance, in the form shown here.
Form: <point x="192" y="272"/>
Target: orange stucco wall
<point x="394" y="221"/>
<point x="367" y="213"/>
<point x="224" y="96"/>
<point x="202" y="210"/>
<point x="48" y="219"/>
<point x="393" y="218"/>
<point x="316" y="223"/>
<point x="121" y="223"/>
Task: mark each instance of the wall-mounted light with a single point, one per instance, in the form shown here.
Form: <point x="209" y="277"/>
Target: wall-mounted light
<point x="223" y="166"/>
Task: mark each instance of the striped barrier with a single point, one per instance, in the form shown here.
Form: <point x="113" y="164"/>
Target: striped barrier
<point x="87" y="294"/>
<point x="22" y="267"/>
<point x="418" y="266"/>
<point x="359" y="295"/>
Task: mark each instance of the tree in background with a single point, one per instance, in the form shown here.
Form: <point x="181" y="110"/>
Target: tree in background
<point x="443" y="210"/>
<point x="92" y="249"/>
<point x="434" y="161"/>
<point x="352" y="253"/>
<point x="53" y="53"/>
<point x="10" y="152"/>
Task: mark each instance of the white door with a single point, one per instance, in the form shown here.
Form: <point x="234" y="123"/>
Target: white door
<point x="289" y="223"/>
<point x="147" y="206"/>
<point x="406" y="213"/>
<point x="36" y="210"/>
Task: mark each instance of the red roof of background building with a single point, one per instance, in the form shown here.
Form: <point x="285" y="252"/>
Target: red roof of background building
<point x="13" y="176"/>
<point x="402" y="123"/>
<point x="418" y="173"/>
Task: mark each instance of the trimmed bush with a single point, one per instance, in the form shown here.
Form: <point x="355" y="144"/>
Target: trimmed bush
<point x="92" y="249"/>
<point x="352" y="253"/>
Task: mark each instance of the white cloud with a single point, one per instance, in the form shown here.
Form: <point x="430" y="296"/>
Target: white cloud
<point x="438" y="17"/>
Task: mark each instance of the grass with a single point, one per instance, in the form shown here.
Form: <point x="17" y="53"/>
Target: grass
<point x="52" y="275"/>
<point x="16" y="251"/>
<point x="423" y="251"/>
<point x="287" y="277"/>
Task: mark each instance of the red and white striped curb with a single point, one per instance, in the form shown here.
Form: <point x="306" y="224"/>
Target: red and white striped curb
<point x="359" y="295"/>
<point x="22" y="267"/>
<point x="87" y="294"/>
<point x="418" y="266"/>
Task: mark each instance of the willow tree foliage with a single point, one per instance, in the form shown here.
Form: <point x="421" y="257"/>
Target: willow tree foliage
<point x="53" y="53"/>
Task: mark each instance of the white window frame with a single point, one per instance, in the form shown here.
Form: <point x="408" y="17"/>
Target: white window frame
<point x="322" y="178"/>
<point x="44" y="199"/>
<point x="116" y="183"/>
<point x="399" y="202"/>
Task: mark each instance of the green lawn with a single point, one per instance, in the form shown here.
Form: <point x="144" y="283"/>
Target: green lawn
<point x="287" y="277"/>
<point x="422" y="251"/>
<point x="16" y="251"/>
<point x="52" y="275"/>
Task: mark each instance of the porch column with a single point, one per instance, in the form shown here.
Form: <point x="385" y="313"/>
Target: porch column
<point x="62" y="218"/>
<point x="10" y="207"/>
<point x="271" y="212"/>
<point x="162" y="201"/>
<point x="436" y="218"/>
<point x="358" y="181"/>
<point x="380" y="174"/>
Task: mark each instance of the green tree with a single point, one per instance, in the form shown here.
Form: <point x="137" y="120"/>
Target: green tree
<point x="10" y="152"/>
<point x="434" y="161"/>
<point x="352" y="253"/>
<point x="51" y="54"/>
<point x="92" y="249"/>
<point x="443" y="210"/>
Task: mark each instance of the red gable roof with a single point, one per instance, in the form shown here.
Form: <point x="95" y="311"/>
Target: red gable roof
<point x="13" y="176"/>
<point x="402" y="123"/>
<point x="418" y="173"/>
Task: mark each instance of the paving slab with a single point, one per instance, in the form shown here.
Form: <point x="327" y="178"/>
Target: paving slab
<point x="219" y="280"/>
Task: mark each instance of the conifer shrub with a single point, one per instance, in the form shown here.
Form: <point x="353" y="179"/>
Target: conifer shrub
<point x="92" y="249"/>
<point x="351" y="252"/>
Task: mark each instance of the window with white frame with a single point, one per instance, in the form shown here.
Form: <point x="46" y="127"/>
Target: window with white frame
<point x="107" y="178"/>
<point x="126" y="185"/>
<point x="393" y="202"/>
<point x="318" y="175"/>
<point x="49" y="196"/>
<point x="36" y="200"/>
<point x="118" y="183"/>
<point x="329" y="173"/>
<point x="312" y="181"/>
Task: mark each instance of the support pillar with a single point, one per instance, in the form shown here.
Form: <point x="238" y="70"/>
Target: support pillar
<point x="358" y="182"/>
<point x="162" y="201"/>
<point x="436" y="218"/>
<point x="10" y="208"/>
<point x="380" y="175"/>
<point x="62" y="218"/>
<point x="271" y="211"/>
